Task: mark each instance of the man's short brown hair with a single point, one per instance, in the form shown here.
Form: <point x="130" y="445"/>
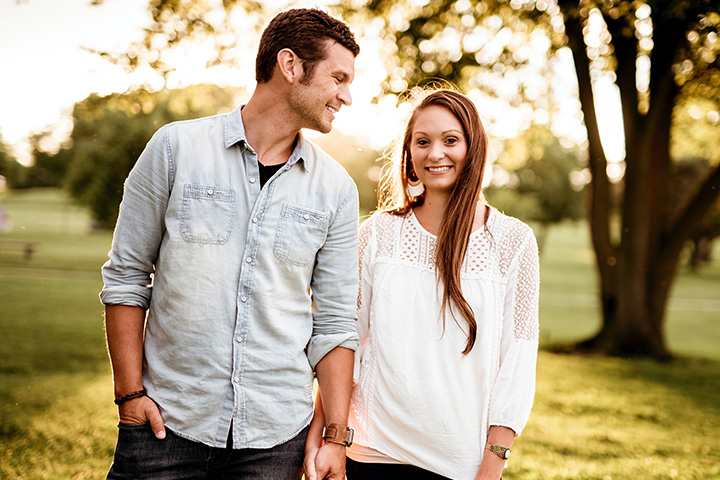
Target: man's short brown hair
<point x="306" y="32"/>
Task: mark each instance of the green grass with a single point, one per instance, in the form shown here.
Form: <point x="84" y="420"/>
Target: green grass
<point x="619" y="419"/>
<point x="594" y="418"/>
<point x="569" y="307"/>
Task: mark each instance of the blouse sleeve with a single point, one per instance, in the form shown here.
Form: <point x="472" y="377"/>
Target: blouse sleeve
<point x="514" y="388"/>
<point x="365" y="248"/>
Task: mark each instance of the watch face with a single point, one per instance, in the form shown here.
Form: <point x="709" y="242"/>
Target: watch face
<point x="506" y="454"/>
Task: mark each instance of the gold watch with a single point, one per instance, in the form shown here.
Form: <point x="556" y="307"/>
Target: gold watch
<point x="340" y="434"/>
<point x="499" y="450"/>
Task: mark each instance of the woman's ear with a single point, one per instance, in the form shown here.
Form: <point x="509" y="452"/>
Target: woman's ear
<point x="290" y="65"/>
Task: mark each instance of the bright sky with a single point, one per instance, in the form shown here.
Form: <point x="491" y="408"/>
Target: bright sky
<point x="45" y="70"/>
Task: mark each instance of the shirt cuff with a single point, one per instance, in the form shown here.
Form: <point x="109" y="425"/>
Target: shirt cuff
<point x="130" y="295"/>
<point x="321" y="345"/>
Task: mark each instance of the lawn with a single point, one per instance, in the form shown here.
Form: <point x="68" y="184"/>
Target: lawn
<point x="594" y="418"/>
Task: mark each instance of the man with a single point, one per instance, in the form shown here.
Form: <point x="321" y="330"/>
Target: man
<point x="238" y="238"/>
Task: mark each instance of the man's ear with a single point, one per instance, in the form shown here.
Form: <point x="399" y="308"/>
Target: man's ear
<point x="289" y="65"/>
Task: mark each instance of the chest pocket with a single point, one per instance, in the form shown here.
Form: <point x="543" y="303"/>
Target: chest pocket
<point x="207" y="214"/>
<point x="300" y="234"/>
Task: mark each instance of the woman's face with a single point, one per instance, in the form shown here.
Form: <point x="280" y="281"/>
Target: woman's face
<point x="438" y="149"/>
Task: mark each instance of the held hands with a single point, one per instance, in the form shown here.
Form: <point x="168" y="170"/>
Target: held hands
<point x="142" y="410"/>
<point x="325" y="462"/>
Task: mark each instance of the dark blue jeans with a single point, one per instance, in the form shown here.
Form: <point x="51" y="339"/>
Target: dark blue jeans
<point x="139" y="455"/>
<point x="387" y="471"/>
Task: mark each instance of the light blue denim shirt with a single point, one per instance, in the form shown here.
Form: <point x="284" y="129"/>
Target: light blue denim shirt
<point x="247" y="288"/>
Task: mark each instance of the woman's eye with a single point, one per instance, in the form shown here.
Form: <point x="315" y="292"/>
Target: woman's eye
<point x="451" y="140"/>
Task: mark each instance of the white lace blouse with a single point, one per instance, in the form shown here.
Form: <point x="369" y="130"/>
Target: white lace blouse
<point x="416" y="398"/>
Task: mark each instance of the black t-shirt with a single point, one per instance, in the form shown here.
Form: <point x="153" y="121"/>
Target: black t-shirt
<point x="267" y="172"/>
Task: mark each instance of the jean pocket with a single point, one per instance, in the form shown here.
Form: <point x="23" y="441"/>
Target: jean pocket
<point x="300" y="234"/>
<point x="207" y="214"/>
<point x="138" y="454"/>
<point x="133" y="426"/>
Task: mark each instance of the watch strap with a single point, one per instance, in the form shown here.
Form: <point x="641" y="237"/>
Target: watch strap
<point x="499" y="450"/>
<point x="339" y="434"/>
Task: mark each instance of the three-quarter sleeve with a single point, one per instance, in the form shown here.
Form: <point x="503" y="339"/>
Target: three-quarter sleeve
<point x="140" y="227"/>
<point x="365" y="249"/>
<point x="514" y="388"/>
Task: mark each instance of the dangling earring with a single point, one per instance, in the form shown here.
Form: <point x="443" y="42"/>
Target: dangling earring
<point x="414" y="187"/>
<point x="415" y="190"/>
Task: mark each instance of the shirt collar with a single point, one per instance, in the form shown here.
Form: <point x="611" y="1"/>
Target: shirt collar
<point x="235" y="133"/>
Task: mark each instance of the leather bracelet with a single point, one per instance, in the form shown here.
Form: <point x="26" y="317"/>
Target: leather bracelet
<point x="130" y="396"/>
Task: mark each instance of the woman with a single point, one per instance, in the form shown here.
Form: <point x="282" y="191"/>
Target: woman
<point x="447" y="312"/>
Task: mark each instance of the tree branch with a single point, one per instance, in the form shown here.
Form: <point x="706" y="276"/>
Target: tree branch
<point x="694" y="210"/>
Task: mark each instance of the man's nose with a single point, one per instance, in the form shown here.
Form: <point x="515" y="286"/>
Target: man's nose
<point x="344" y="94"/>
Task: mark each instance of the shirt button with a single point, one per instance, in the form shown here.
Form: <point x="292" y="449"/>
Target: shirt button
<point x="210" y="191"/>
<point x="306" y="216"/>
<point x="239" y="339"/>
<point x="252" y="180"/>
<point x="254" y="220"/>
<point x="243" y="299"/>
<point x="237" y="379"/>
<point x="248" y="259"/>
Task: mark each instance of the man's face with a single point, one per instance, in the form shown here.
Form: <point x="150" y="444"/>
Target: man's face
<point x="316" y="102"/>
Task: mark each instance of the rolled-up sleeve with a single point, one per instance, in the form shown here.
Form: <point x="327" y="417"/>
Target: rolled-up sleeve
<point x="514" y="389"/>
<point x="127" y="275"/>
<point x="335" y="282"/>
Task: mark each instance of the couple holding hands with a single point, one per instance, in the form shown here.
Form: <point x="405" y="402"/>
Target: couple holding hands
<point x="238" y="277"/>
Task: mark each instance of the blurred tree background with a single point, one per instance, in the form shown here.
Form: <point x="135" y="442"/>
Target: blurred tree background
<point x="539" y="180"/>
<point x="110" y="132"/>
<point x="642" y="210"/>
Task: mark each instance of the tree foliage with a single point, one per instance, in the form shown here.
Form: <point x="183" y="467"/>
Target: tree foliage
<point x="537" y="179"/>
<point x="176" y="23"/>
<point x="10" y="169"/>
<point x="688" y="173"/>
<point x="110" y="132"/>
<point x="47" y="168"/>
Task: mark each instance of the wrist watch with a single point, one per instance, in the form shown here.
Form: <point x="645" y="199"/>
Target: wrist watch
<point x="339" y="434"/>
<point x="499" y="450"/>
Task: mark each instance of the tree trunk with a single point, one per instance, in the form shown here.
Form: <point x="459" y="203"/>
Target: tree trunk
<point x="636" y="272"/>
<point x="700" y="254"/>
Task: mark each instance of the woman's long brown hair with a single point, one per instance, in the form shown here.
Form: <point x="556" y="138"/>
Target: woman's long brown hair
<point x="457" y="222"/>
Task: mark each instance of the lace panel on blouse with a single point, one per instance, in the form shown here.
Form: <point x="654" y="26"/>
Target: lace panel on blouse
<point x="525" y="310"/>
<point x="402" y="239"/>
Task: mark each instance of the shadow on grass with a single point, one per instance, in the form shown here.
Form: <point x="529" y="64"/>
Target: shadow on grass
<point x="695" y="379"/>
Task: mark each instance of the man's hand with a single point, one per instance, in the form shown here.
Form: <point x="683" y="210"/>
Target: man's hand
<point x="330" y="462"/>
<point x="142" y="410"/>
